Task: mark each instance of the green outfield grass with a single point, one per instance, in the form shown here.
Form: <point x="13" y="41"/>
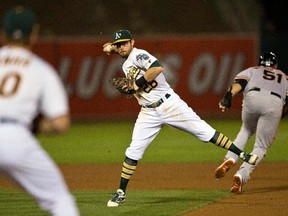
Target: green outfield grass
<point x="106" y="143"/>
<point x="140" y="203"/>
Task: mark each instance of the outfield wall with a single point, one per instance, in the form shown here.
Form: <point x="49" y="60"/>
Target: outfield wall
<point x="200" y="69"/>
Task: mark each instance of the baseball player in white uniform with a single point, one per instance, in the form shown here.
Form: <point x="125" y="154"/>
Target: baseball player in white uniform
<point x="29" y="85"/>
<point x="265" y="91"/>
<point x="160" y="105"/>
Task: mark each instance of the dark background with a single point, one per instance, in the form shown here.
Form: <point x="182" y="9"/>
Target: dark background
<point x="267" y="19"/>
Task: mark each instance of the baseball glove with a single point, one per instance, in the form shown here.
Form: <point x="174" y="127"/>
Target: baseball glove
<point x="124" y="85"/>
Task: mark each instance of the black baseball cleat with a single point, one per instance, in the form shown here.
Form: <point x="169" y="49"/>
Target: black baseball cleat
<point x="249" y="158"/>
<point x="118" y="198"/>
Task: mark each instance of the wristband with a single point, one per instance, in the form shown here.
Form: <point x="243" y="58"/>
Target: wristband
<point x="141" y="81"/>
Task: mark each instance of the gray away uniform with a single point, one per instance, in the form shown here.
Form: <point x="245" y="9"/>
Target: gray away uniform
<point x="263" y="100"/>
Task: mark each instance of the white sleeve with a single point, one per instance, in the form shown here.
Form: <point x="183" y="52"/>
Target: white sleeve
<point x="54" y="101"/>
<point x="144" y="59"/>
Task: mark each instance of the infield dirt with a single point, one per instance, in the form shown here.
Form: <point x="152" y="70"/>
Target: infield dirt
<point x="265" y="194"/>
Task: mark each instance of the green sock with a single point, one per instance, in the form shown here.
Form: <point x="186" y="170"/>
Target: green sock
<point x="128" y="168"/>
<point x="222" y="141"/>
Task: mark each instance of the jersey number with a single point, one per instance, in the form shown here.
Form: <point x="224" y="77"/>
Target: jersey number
<point x="268" y="75"/>
<point x="9" y="84"/>
<point x="149" y="86"/>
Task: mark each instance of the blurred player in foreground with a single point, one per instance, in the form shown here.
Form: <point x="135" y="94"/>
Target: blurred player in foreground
<point x="265" y="90"/>
<point x="160" y="105"/>
<point x="28" y="86"/>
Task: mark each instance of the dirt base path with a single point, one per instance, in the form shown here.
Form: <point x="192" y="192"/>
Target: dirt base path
<point x="265" y="194"/>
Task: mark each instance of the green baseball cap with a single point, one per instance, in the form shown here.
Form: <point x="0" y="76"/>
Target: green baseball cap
<point x="18" y="22"/>
<point x="121" y="36"/>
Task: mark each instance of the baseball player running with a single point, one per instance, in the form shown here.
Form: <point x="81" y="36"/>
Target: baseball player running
<point x="160" y="105"/>
<point x="265" y="90"/>
<point x="29" y="85"/>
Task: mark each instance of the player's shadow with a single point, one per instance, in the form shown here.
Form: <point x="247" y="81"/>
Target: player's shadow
<point x="267" y="189"/>
<point x="161" y="200"/>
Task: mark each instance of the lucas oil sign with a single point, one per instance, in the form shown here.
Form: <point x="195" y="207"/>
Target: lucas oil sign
<point x="200" y="70"/>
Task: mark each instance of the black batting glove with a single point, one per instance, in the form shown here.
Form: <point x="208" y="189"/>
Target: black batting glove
<point x="226" y="102"/>
<point x="285" y="108"/>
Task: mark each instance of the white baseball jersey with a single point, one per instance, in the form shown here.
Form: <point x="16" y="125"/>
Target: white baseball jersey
<point x="135" y="66"/>
<point x="169" y="108"/>
<point x="28" y="85"/>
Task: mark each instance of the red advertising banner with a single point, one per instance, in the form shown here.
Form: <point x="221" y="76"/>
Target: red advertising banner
<point x="200" y="69"/>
